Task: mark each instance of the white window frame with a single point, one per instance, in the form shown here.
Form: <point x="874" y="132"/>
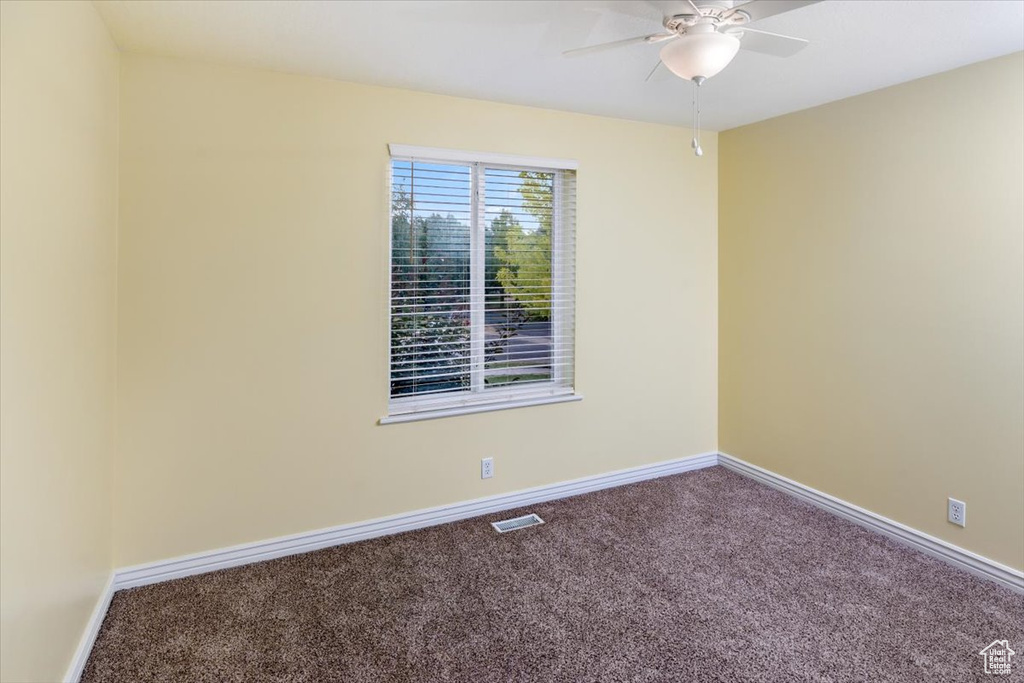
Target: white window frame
<point x="476" y="399"/>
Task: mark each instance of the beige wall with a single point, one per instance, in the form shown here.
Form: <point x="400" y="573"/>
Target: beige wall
<point x="58" y="246"/>
<point x="872" y="301"/>
<point x="253" y="294"/>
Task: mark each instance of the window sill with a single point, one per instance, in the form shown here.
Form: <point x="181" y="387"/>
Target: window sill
<point x="481" y="408"/>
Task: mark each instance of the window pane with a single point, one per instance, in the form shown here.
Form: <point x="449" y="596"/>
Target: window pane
<point x="430" y="271"/>
<point x="518" y="212"/>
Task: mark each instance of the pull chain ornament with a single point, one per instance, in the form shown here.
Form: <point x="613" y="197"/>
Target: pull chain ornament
<point x="695" y="143"/>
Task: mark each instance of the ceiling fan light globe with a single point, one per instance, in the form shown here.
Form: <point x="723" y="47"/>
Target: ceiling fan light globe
<point x="699" y="55"/>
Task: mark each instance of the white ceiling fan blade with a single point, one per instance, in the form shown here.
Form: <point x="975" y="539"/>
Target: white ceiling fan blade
<point x="652" y="38"/>
<point x="762" y="9"/>
<point x="769" y="43"/>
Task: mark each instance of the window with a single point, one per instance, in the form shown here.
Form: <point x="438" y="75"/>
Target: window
<point x="482" y="282"/>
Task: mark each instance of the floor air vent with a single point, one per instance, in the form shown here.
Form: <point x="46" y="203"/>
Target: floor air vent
<point x="516" y="523"/>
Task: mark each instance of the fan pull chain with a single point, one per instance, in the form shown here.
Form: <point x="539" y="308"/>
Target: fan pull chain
<point x="695" y="143"/>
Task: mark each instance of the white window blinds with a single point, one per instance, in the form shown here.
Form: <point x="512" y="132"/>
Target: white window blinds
<point x="482" y="284"/>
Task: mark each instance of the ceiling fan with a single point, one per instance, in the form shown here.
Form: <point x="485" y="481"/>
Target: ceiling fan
<point x="700" y="42"/>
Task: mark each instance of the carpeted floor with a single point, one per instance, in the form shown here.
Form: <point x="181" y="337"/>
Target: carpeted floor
<point x="703" y="576"/>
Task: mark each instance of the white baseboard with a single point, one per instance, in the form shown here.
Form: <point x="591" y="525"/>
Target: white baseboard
<point x="238" y="555"/>
<point x="92" y="629"/>
<point x="954" y="555"/>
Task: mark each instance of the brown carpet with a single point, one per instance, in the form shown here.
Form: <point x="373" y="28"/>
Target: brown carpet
<point x="703" y="576"/>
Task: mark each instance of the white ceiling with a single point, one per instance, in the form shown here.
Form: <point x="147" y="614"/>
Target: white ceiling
<point x="510" y="51"/>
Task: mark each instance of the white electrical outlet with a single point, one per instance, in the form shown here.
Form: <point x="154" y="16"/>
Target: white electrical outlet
<point x="487" y="468"/>
<point x="957" y="512"/>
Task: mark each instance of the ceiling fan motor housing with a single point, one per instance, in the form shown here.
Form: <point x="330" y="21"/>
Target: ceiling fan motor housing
<point x="715" y="15"/>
